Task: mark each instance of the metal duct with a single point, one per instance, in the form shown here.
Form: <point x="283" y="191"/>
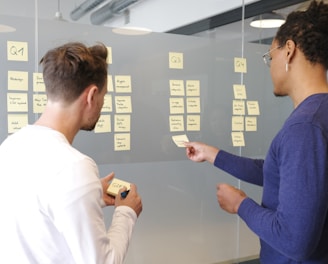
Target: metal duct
<point x="102" y="14"/>
<point x="109" y="10"/>
<point x="119" y="5"/>
<point x="84" y="8"/>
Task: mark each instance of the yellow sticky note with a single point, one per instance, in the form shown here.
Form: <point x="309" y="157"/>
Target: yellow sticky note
<point x="122" y="142"/>
<point x="193" y="88"/>
<point x="177" y="88"/>
<point x="39" y="103"/>
<point x="123" y="104"/>
<point x="240" y="65"/>
<point x="238" y="107"/>
<point x="176" y="123"/>
<point x="122" y="123"/>
<point x="238" y="139"/>
<point x="176" y="105"/>
<point x="38" y="82"/>
<point x="108" y="103"/>
<point x="253" y="108"/>
<point x="193" y="105"/>
<point x="123" y="84"/>
<point x="18" y="80"/>
<point x="239" y="91"/>
<point x="179" y="140"/>
<point x="103" y="125"/>
<point x="193" y="122"/>
<point x="251" y="123"/>
<point x="109" y="59"/>
<point x="116" y="185"/>
<point x="237" y="123"/>
<point x="17" y="102"/>
<point x="17" y="51"/>
<point x="175" y="60"/>
<point x="16" y="122"/>
<point x="110" y="86"/>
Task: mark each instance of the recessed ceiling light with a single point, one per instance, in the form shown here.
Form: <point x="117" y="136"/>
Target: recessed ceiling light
<point x="268" y="20"/>
<point x="5" y="28"/>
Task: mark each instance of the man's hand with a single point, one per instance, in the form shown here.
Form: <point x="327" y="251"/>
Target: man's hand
<point x="199" y="152"/>
<point x="109" y="200"/>
<point x="133" y="199"/>
<point x="229" y="197"/>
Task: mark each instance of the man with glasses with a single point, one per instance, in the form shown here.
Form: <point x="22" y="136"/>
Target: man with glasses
<point x="292" y="220"/>
<point x="267" y="56"/>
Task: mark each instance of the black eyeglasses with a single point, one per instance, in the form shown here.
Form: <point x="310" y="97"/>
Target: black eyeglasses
<point x="267" y="56"/>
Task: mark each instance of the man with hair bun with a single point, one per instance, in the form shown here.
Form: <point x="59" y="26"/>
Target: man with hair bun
<point x="292" y="220"/>
<point x="51" y="197"/>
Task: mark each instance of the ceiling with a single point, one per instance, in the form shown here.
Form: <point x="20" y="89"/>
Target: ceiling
<point x="163" y="15"/>
<point x="157" y="15"/>
<point x="187" y="17"/>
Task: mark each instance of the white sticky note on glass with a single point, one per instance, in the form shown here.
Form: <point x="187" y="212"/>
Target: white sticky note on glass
<point x="179" y="140"/>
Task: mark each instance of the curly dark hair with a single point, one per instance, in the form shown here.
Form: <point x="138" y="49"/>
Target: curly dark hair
<point x="309" y="30"/>
<point x="69" y="69"/>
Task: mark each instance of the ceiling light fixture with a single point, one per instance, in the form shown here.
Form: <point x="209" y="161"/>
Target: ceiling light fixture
<point x="268" y="20"/>
<point x="5" y="28"/>
<point x="132" y="31"/>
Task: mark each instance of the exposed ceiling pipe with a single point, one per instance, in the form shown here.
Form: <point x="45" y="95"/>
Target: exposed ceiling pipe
<point x="102" y="14"/>
<point x="84" y="8"/>
<point x="109" y="10"/>
<point x="120" y="5"/>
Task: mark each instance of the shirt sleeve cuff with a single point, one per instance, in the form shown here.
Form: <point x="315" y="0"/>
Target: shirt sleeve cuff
<point x="246" y="208"/>
<point x="127" y="211"/>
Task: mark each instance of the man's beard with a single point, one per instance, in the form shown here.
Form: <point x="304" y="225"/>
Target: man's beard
<point x="91" y="126"/>
<point x="279" y="94"/>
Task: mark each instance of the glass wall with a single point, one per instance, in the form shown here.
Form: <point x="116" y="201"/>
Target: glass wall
<point x="211" y="86"/>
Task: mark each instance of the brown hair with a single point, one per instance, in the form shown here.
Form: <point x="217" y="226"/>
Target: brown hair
<point x="70" y="68"/>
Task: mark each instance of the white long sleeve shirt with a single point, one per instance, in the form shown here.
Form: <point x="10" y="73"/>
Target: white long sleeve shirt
<point x="51" y="204"/>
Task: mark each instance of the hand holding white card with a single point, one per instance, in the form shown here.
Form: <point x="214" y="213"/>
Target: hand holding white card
<point x="179" y="140"/>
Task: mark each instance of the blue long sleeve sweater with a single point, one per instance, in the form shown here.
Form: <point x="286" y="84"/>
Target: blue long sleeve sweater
<point x="292" y="220"/>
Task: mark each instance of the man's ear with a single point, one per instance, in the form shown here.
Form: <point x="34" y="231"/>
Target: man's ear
<point x="91" y="93"/>
<point x="290" y="50"/>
